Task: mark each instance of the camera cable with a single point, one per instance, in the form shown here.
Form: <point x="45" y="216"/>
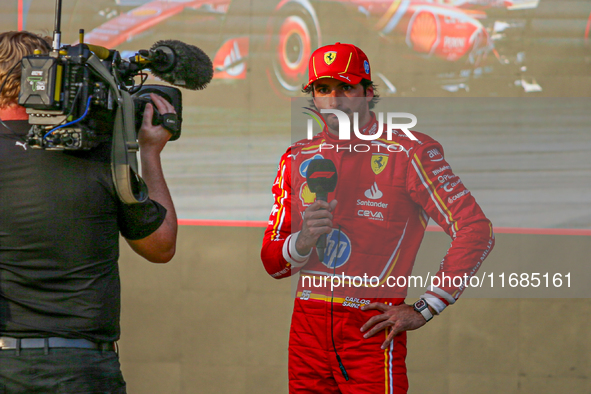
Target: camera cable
<point x="72" y="122"/>
<point x="334" y="270"/>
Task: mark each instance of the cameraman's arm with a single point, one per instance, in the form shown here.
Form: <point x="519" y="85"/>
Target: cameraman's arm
<point x="158" y="247"/>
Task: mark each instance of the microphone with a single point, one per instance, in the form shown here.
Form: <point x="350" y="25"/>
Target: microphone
<point x="321" y="176"/>
<point x="180" y="64"/>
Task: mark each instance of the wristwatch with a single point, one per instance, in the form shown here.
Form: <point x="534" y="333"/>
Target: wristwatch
<point x="422" y="307"/>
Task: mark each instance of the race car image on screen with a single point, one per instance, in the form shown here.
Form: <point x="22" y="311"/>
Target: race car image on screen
<point x="417" y="47"/>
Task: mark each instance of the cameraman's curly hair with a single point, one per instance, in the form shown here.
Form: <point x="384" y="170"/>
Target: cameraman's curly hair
<point x="13" y="46"/>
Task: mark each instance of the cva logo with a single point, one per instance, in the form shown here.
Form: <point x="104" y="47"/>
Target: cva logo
<point x="371" y="214"/>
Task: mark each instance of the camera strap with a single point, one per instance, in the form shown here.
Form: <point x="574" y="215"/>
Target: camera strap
<point x="130" y="187"/>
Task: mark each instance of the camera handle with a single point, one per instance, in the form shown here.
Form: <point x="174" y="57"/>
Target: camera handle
<point x="130" y="187"/>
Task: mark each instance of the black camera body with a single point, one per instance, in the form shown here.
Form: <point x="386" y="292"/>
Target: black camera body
<point x="82" y="95"/>
<point x="71" y="106"/>
<point x="57" y="89"/>
<point x="170" y="94"/>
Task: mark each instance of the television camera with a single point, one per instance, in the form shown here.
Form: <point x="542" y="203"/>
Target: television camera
<point x="79" y="96"/>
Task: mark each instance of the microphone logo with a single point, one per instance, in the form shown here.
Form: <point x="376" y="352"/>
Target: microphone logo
<point x="322" y="174"/>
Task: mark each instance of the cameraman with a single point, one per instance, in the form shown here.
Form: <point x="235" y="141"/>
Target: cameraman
<point x="60" y="219"/>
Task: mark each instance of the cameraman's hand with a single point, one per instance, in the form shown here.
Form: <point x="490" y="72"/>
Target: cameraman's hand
<point x="160" y="246"/>
<point x="153" y="138"/>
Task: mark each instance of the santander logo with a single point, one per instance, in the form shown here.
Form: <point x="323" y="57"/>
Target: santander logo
<point x="373" y="192"/>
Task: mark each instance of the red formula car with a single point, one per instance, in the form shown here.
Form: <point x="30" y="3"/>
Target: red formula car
<point x="417" y="47"/>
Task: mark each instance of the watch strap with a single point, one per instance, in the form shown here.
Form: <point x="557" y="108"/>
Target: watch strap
<point x="422" y="307"/>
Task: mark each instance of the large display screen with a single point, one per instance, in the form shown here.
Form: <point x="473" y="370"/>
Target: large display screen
<point x="521" y="149"/>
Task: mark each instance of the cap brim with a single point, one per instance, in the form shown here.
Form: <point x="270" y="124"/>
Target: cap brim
<point x="347" y="78"/>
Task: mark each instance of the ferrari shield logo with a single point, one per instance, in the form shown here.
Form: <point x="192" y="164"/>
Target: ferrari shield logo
<point x="378" y="163"/>
<point x="329" y="57"/>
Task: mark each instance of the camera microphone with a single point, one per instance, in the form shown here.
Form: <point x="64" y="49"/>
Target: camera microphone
<point x="179" y="64"/>
<point x="321" y="176"/>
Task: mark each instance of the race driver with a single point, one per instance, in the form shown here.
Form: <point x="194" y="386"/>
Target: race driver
<point x="352" y="338"/>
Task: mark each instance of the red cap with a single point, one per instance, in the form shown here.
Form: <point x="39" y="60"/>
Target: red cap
<point x="344" y="62"/>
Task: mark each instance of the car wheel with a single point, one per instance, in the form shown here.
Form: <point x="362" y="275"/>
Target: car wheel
<point x="295" y="35"/>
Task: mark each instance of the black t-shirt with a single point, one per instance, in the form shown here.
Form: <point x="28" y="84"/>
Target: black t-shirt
<point x="60" y="219"/>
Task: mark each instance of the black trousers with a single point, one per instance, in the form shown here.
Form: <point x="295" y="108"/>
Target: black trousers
<point x="60" y="371"/>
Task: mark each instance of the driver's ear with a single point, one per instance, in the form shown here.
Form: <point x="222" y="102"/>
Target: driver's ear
<point x="369" y="93"/>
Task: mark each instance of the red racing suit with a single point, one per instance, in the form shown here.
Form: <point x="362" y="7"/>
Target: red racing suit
<point x="387" y="190"/>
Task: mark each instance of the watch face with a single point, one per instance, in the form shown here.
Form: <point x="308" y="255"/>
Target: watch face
<point x="420" y="304"/>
